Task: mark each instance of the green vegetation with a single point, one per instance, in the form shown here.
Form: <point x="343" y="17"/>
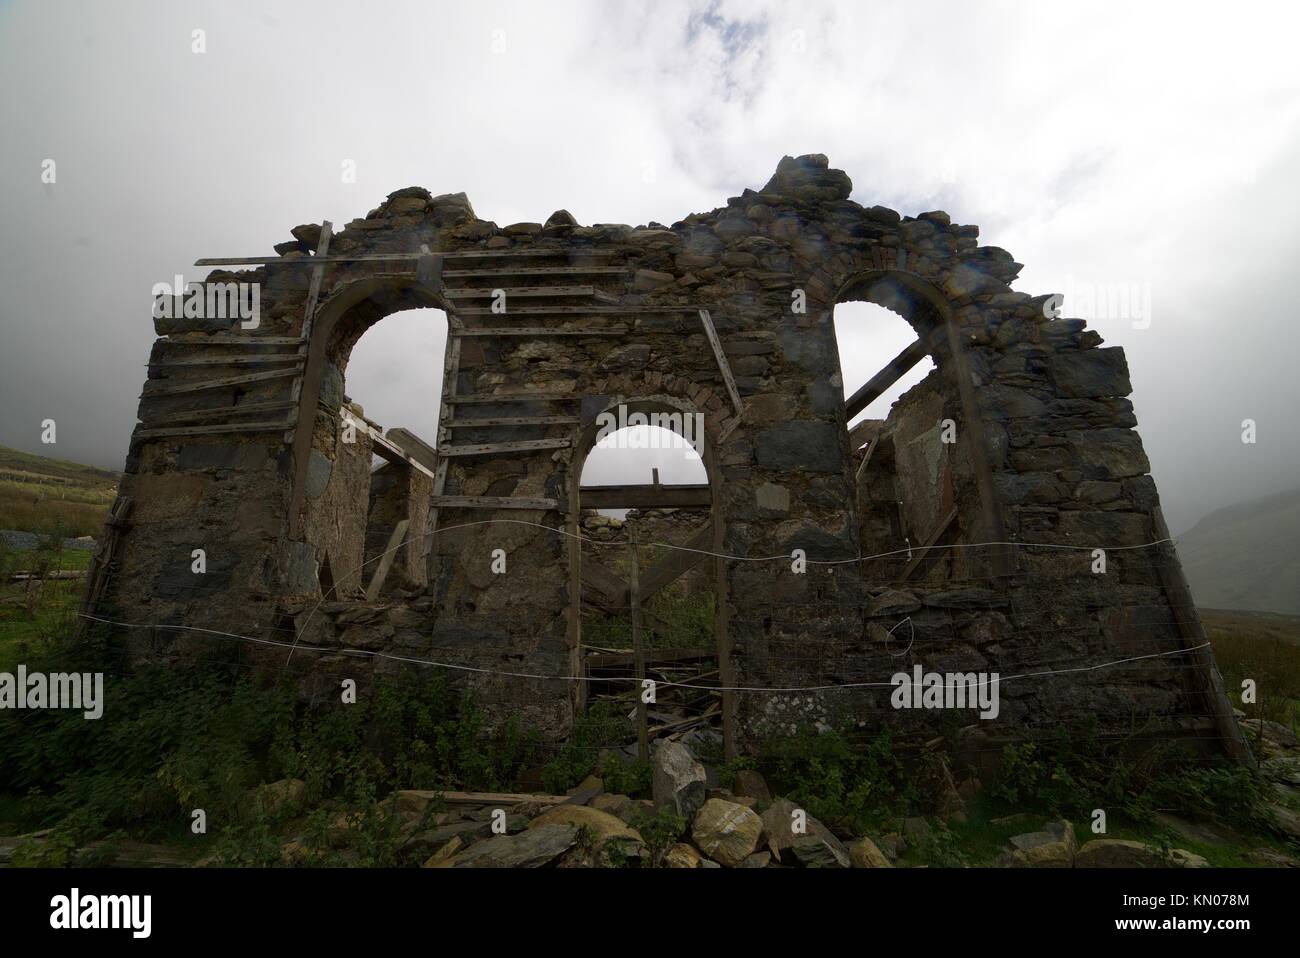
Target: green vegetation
<point x="34" y="613"/>
<point x="45" y="495"/>
<point x="1262" y="647"/>
<point x="178" y="737"/>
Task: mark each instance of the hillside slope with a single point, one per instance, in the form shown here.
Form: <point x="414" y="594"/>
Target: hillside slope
<point x="1247" y="556"/>
<point x="44" y="495"/>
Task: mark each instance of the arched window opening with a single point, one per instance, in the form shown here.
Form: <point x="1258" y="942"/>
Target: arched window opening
<point x="383" y="382"/>
<point x="901" y="418"/>
<point x="649" y="484"/>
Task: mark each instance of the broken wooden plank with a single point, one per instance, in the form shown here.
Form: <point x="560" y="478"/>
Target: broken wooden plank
<point x="511" y="397"/>
<point x="415" y="447"/>
<point x="578" y="310"/>
<point x="169" y="388"/>
<point x="608" y="583"/>
<point x="653" y="657"/>
<point x="875" y="387"/>
<point x="680" y="560"/>
<point x="389" y="450"/>
<point x="519" y="291"/>
<point x="232" y="339"/>
<point x="397" y="257"/>
<point x="501" y="448"/>
<point x="309" y="313"/>
<point x="223" y="413"/>
<point x="494" y="502"/>
<point x="646" y="497"/>
<point x="512" y="421"/>
<point x="386" y="560"/>
<point x="231" y="361"/>
<point x="512" y="270"/>
<point x="723" y="366"/>
<point x="490" y="798"/>
<point x="864" y="432"/>
<point x="930" y="545"/>
<point x="278" y="425"/>
<point x="541" y="331"/>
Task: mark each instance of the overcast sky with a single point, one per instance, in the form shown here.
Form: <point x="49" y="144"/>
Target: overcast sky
<point x="1102" y="144"/>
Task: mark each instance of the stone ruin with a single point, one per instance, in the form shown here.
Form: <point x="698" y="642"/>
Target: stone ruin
<point x="947" y="518"/>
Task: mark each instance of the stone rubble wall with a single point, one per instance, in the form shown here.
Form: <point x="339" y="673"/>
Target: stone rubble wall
<point x="1066" y="465"/>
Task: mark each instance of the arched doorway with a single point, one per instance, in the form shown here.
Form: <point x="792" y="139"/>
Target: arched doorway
<point x="649" y="598"/>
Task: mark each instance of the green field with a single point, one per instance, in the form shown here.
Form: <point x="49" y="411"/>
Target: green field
<point x="50" y="495"/>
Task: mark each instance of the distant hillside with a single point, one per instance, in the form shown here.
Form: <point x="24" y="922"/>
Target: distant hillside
<point x="47" y="495"/>
<point x="1247" y="556"/>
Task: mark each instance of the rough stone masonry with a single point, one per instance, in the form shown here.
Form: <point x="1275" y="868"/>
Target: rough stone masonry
<point x="934" y="537"/>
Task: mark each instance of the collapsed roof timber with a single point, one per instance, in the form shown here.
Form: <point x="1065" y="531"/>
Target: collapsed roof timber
<point x="248" y="448"/>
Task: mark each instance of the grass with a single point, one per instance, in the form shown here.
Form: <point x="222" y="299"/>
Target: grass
<point x="47" y="495"/>
<point x="35" y="614"/>
<point x="1262" y="647"/>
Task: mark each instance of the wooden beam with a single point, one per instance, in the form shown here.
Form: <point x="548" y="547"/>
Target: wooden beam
<point x="309" y="314"/>
<point x="512" y="421"/>
<point x="397" y="257"/>
<point x="579" y="310"/>
<point x="510" y="397"/>
<point x="223" y="413"/>
<point x="500" y="448"/>
<point x="512" y="270"/>
<point x="723" y="367"/>
<point x="519" y="292"/>
<point x="646" y="497"/>
<point x="391" y="451"/>
<point x="875" y="387"/>
<point x="927" y="549"/>
<point x="864" y="432"/>
<point x="608" y="583"/>
<point x="677" y="563"/>
<point x="386" y="560"/>
<point x="542" y="331"/>
<point x="638" y="650"/>
<point x="495" y="502"/>
<point x="232" y="339"/>
<point x="413" y="446"/>
<point x="168" y="388"/>
<point x="278" y="425"/>
<point x="611" y="660"/>
<point x="231" y="361"/>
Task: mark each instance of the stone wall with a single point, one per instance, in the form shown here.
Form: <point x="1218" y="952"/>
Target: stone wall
<point x="1046" y="456"/>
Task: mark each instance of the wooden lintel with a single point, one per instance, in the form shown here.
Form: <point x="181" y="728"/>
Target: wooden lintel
<point x="646" y="497"/>
<point x="875" y="387"/>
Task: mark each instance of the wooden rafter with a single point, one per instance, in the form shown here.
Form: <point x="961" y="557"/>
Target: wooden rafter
<point x="875" y="387"/>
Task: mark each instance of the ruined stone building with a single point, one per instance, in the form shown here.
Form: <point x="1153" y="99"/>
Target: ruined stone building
<point x="971" y="513"/>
